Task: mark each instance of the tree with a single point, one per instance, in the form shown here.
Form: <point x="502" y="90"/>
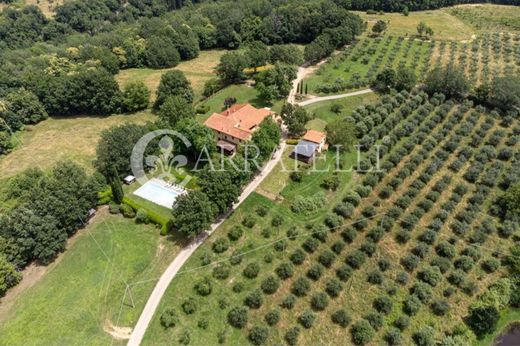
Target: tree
<point x="267" y="138"/>
<point x="200" y="137"/>
<point x="405" y="78"/>
<point x="424" y="30"/>
<point x="161" y="53"/>
<point x="174" y="109"/>
<point x="449" y="81"/>
<point x="295" y="118"/>
<point x="193" y="213"/>
<point x="9" y="277"/>
<point x="341" y="133"/>
<point x="231" y="67"/>
<point x="237" y="317"/>
<point x="385" y="80"/>
<point x="26" y="106"/>
<point x="504" y="93"/>
<point x="379" y="27"/>
<point x="276" y="82"/>
<point x="512" y="200"/>
<point x="362" y="332"/>
<point x="257" y="54"/>
<point x="115" y="148"/>
<point x="115" y="184"/>
<point x="483" y="319"/>
<point x="286" y="54"/>
<point x="136" y="96"/>
<point x="318" y="49"/>
<point x="219" y="187"/>
<point x="173" y="83"/>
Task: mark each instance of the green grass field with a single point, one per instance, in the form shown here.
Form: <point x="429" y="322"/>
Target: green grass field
<point x="197" y="71"/>
<point x="324" y="115"/>
<point x="56" y="139"/>
<point x="487" y="17"/>
<point x="445" y="26"/>
<point x="80" y="296"/>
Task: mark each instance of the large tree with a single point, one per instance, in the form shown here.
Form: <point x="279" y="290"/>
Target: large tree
<point x="174" y="109"/>
<point x="448" y="80"/>
<point x="115" y="148"/>
<point x="295" y="118"/>
<point x="9" y="277"/>
<point x="275" y="82"/>
<point x="136" y="96"/>
<point x="26" y="106"/>
<point x="231" y="67"/>
<point x="341" y="133"/>
<point x="267" y="138"/>
<point x="173" y="83"/>
<point x="219" y="187"/>
<point x="193" y="213"/>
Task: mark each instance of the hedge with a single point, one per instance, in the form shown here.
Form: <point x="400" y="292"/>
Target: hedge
<point x="154" y="217"/>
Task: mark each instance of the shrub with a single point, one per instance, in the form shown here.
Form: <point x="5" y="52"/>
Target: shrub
<point x="402" y="278"/>
<point x="189" y="306"/>
<point x="221" y="271"/>
<point x="333" y="221"/>
<point x="235" y="233"/>
<point x="291" y="336"/>
<point x="440" y="307"/>
<point x="307" y="318"/>
<point x="285" y="270"/>
<point x="277" y="221"/>
<point x="344" y="272"/>
<point x="258" y="335"/>
<point x="410" y="262"/>
<point x="464" y="263"/>
<point x="383" y="305"/>
<point x="296" y="176"/>
<point x="238" y="287"/>
<point x="445" y="249"/>
<point x="270" y="284"/>
<point x="185" y="337"/>
<point x="457" y="278"/>
<point x="393" y="337"/>
<point x="203" y="323"/>
<point x="483" y="319"/>
<point x="349" y="235"/>
<point x="237" y="317"/>
<point x="297" y="257"/>
<point x="262" y="210"/>
<point x="220" y="245"/>
<point x="375" y="277"/>
<point x="411" y="305"/>
<point x="341" y="318"/>
<point x="114" y="208"/>
<point x="355" y="259"/>
<point x="288" y="302"/>
<point x="402" y="322"/>
<point x="333" y="287"/>
<point x="127" y="211"/>
<point x="315" y="271"/>
<point x="319" y="301"/>
<point x="251" y="270"/>
<point x="338" y="246"/>
<point x="249" y="221"/>
<point x="362" y="332"/>
<point x="326" y="258"/>
<point x="142" y="216"/>
<point x="300" y="287"/>
<point x="430" y="275"/>
<point x="422" y="291"/>
<point x="375" y="320"/>
<point x="424" y="337"/>
<point x="383" y="264"/>
<point x="443" y="264"/>
<point x="204" y="287"/>
<point x="490" y="265"/>
<point x="169" y="318"/>
<point x="310" y="245"/>
<point x="272" y="317"/>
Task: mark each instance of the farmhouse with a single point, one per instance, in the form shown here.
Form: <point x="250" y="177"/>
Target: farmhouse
<point x="312" y="143"/>
<point x="236" y="125"/>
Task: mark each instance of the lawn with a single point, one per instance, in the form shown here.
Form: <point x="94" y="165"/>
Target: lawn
<point x="487" y="17"/>
<point x="444" y="25"/>
<point x="243" y="93"/>
<point x="198" y="71"/>
<point x="80" y="296"/>
<point x="324" y="115"/>
<point x="56" y="139"/>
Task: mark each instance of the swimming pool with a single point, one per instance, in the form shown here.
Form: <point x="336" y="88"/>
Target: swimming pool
<point x="155" y="192"/>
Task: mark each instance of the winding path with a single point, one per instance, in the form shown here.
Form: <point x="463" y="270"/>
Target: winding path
<point x="333" y="97"/>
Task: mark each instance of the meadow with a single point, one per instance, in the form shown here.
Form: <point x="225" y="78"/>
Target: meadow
<point x="80" y="297"/>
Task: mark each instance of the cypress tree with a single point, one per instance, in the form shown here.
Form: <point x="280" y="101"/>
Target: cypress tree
<point x="115" y="185"/>
<point x="306" y="89"/>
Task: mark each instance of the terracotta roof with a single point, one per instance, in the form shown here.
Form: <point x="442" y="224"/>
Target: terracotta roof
<point x="314" y="136"/>
<point x="238" y="121"/>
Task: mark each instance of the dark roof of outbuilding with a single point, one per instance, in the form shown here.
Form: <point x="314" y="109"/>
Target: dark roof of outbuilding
<point x="305" y="148"/>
